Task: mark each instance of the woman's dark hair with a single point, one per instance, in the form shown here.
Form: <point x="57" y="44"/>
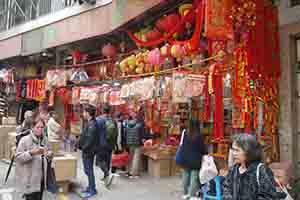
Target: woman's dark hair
<point x="52" y="113"/>
<point x="250" y="146"/>
<point x="38" y="120"/>
<point x="90" y="109"/>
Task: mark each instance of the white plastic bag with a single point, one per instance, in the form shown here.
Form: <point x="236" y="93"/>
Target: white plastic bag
<point x="208" y="169"/>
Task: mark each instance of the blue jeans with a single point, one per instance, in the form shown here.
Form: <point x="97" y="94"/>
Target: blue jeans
<point x="191" y="183"/>
<point x="88" y="165"/>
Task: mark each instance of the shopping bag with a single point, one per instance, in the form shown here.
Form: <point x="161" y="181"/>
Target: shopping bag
<point x="208" y="169"/>
<point x="51" y="179"/>
<point x="284" y="189"/>
<point x="179" y="154"/>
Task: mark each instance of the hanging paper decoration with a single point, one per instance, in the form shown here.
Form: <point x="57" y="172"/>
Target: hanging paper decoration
<point x="179" y="83"/>
<point x="218" y="25"/>
<point x="195" y="85"/>
<point x="36" y="90"/>
<point x="218" y="130"/>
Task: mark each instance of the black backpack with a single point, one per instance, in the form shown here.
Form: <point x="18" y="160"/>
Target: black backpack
<point x="22" y="134"/>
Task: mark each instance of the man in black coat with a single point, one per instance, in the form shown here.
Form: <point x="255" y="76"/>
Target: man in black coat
<point x="88" y="144"/>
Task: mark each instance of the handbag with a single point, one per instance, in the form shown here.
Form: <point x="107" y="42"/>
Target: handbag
<point x="283" y="188"/>
<point x="208" y="169"/>
<point x="51" y="178"/>
<point x="179" y="157"/>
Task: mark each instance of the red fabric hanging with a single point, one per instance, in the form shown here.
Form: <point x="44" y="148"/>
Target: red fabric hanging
<point x="206" y="102"/>
<point x="218" y="131"/>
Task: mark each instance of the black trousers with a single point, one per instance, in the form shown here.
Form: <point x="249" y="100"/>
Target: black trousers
<point x="103" y="160"/>
<point x="34" y="196"/>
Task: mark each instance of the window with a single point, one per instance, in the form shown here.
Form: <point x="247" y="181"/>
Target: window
<point x="295" y="3"/>
<point x="16" y="12"/>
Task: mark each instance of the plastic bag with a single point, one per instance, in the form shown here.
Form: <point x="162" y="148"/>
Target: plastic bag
<point x="208" y="169"/>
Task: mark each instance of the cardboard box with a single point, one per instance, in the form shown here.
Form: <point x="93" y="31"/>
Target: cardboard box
<point x="175" y="169"/>
<point x="159" y="168"/>
<point x="65" y="167"/>
<point x="4" y="146"/>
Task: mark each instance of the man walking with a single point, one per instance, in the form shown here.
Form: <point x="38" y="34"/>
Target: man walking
<point x="88" y="143"/>
<point x="110" y="132"/>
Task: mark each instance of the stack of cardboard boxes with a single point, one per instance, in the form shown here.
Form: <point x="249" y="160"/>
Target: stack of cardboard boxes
<point x="8" y="126"/>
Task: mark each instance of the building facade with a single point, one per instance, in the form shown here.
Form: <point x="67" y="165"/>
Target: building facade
<point x="289" y="17"/>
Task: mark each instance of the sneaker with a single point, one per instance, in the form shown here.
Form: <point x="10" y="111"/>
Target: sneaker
<point x="87" y="195"/>
<point x="134" y="177"/>
<point x="194" y="198"/>
<point x="185" y="197"/>
<point x="86" y="190"/>
<point x="109" y="180"/>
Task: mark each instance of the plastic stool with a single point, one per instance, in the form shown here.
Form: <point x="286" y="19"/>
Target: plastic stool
<point x="218" y="196"/>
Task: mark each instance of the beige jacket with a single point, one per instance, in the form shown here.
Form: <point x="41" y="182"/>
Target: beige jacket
<point x="29" y="170"/>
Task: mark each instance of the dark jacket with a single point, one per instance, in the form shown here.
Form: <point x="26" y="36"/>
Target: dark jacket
<point x="247" y="187"/>
<point x="134" y="133"/>
<point x="89" y="138"/>
<point x="192" y="150"/>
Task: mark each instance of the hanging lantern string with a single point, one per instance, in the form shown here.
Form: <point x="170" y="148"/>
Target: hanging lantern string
<point x="186" y="66"/>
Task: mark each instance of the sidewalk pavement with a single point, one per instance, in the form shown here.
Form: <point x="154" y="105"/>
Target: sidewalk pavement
<point x="143" y="188"/>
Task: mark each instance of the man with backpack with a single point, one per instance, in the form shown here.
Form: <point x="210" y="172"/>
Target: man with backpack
<point x="109" y="131"/>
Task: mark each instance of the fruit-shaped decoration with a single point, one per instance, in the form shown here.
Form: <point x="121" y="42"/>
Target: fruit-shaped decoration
<point x="153" y="35"/>
<point x="124" y="66"/>
<point x="131" y="60"/>
<point x="177" y="51"/>
<point x="109" y="51"/>
<point x="154" y="57"/>
<point x="165" y="50"/>
<point x="139" y="70"/>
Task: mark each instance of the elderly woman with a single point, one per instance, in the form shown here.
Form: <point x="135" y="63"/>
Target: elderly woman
<point x="31" y="163"/>
<point x="249" y="179"/>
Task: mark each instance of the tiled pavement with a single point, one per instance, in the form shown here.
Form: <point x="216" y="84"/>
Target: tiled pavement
<point x="144" y="188"/>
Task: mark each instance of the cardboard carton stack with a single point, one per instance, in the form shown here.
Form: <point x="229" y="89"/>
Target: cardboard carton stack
<point x="8" y="125"/>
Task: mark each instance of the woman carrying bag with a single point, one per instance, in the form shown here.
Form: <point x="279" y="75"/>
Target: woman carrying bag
<point x="249" y="179"/>
<point x="189" y="157"/>
<point x="31" y="163"/>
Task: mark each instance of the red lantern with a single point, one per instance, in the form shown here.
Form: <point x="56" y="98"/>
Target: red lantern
<point x="153" y="35"/>
<point x="109" y="51"/>
<point x="168" y="22"/>
<point x="76" y="55"/>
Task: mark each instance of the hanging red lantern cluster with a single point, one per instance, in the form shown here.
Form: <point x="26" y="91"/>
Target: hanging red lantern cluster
<point x="167" y="23"/>
<point x="153" y="35"/>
